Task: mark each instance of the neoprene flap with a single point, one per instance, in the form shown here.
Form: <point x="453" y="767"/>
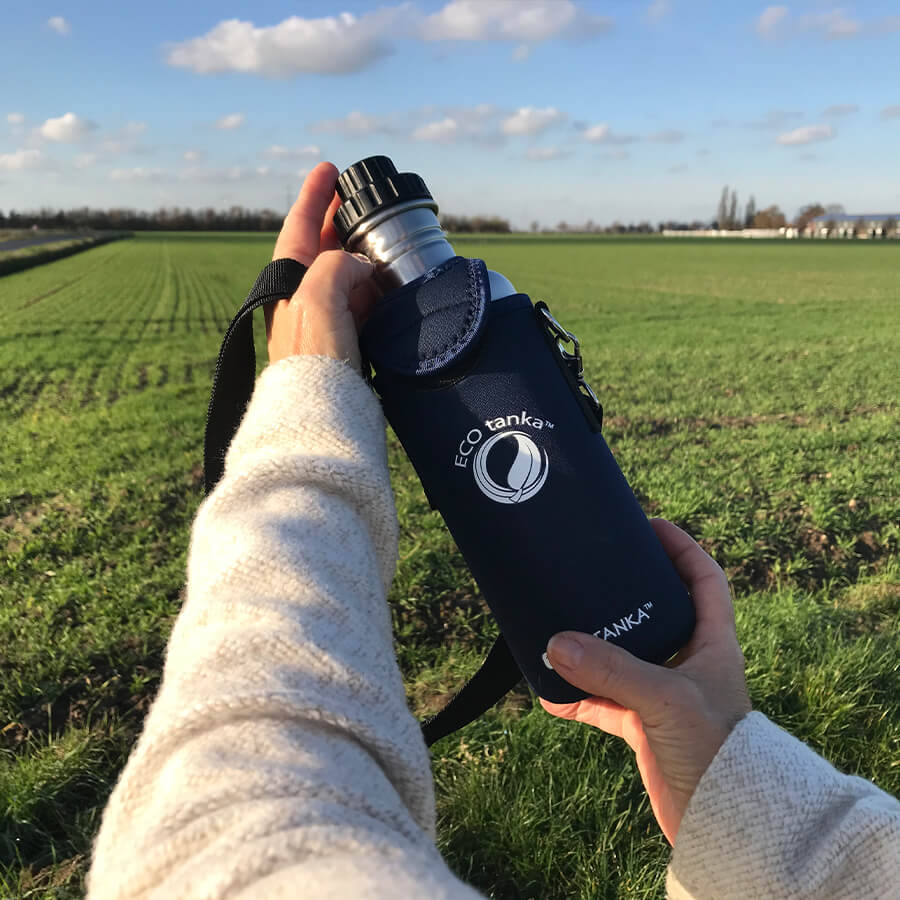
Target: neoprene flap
<point x="431" y="323"/>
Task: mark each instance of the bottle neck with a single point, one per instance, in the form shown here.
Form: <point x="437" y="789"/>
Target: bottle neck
<point x="407" y="240"/>
<point x="403" y="243"/>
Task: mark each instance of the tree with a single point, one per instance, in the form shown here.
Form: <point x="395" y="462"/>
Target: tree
<point x="772" y="217"/>
<point x="807" y="214"/>
<point x="535" y="226"/>
<point x="835" y="209"/>
<point x="890" y="227"/>
<point x="732" y="211"/>
<point x="750" y="214"/>
<point x="722" y="216"/>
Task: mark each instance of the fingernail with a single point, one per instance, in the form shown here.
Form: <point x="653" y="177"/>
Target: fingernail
<point x="565" y="652"/>
<point x="363" y="258"/>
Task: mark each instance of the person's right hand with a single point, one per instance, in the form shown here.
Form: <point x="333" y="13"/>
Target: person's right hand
<point x="325" y="314"/>
<point x="675" y="718"/>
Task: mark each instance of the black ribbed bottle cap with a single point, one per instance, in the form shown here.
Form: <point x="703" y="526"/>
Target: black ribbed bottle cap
<point x="370" y="186"/>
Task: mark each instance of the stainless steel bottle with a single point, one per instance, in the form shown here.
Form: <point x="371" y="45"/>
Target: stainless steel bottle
<point x="391" y="217"/>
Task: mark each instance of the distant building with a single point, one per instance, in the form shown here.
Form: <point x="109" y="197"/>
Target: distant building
<point x="861" y="225"/>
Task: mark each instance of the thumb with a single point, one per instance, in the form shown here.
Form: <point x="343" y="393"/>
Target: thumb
<point x="605" y="670"/>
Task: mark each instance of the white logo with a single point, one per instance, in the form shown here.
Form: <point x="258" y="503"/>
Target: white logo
<point x="526" y="475"/>
<point x="626" y="623"/>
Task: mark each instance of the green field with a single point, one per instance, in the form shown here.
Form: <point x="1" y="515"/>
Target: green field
<point x="751" y="396"/>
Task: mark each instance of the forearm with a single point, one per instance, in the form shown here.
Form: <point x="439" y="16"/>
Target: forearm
<point x="770" y="818"/>
<point x="280" y="746"/>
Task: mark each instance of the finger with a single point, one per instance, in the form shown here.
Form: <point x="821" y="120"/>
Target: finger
<point x="326" y="321"/>
<point x="700" y="572"/>
<point x="604" y="670"/>
<point x="597" y="711"/>
<point x="301" y="232"/>
<point x="332" y="278"/>
<point x="328" y="238"/>
<point x="362" y="301"/>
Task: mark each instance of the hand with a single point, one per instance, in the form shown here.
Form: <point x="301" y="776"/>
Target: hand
<point x="335" y="297"/>
<point x="675" y="718"/>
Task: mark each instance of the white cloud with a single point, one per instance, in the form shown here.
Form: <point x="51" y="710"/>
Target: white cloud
<point x="429" y="123"/>
<point x="657" y="11"/>
<point x="544" y="154"/>
<point x="832" y="25"/>
<point x="85" y="160"/>
<point x="529" y="21"/>
<point x="355" y="124"/>
<point x="230" y="122"/>
<point x="806" y="135"/>
<point x="443" y="131"/>
<point x="531" y="120"/>
<point x="342" y="43"/>
<point x="890" y="112"/>
<point x="473" y="123"/>
<point x="666" y="136"/>
<point x="776" y="119"/>
<point x="770" y="20"/>
<point x="59" y="24"/>
<point x="841" y="109"/>
<point x="597" y="133"/>
<point x="677" y="169"/>
<point x="230" y="174"/>
<point x="138" y="174"/>
<point x="21" y="159"/>
<point x="15" y="118"/>
<point x="66" y="129"/>
<point x="193" y="155"/>
<point x="603" y="134"/>
<point x="133" y="129"/>
<point x="276" y="151"/>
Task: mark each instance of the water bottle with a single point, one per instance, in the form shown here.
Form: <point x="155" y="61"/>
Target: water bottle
<point x="486" y="393"/>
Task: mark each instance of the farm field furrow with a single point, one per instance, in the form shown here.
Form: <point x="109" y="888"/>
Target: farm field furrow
<point x="750" y="394"/>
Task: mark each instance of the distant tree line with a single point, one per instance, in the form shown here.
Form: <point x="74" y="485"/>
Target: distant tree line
<point x="493" y="224"/>
<point x="728" y="214"/>
<point x="590" y="227"/>
<point x="176" y="218"/>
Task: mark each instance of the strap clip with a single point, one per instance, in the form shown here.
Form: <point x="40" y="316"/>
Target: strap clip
<point x="562" y="338"/>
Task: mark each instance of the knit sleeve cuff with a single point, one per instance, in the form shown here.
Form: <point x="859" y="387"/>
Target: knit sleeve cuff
<point x="314" y="402"/>
<point x="772" y="818"/>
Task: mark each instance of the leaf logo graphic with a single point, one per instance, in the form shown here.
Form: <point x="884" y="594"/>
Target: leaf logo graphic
<point x="526" y="475"/>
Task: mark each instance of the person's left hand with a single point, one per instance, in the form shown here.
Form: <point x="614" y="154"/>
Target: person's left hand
<point x="336" y="295"/>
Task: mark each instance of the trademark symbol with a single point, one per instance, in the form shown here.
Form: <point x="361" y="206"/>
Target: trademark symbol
<point x="549" y="425"/>
<point x="648" y="606"/>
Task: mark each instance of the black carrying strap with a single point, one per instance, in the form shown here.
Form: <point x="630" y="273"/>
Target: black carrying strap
<point x="495" y="678"/>
<point x="231" y="391"/>
<point x="236" y="365"/>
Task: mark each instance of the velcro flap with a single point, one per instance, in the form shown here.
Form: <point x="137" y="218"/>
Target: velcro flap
<point x="432" y="323"/>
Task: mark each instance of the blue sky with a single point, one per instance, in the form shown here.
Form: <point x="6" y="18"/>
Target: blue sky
<point x="542" y="110"/>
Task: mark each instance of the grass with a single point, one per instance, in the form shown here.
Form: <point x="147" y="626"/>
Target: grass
<point x="750" y="396"/>
<point x="40" y="249"/>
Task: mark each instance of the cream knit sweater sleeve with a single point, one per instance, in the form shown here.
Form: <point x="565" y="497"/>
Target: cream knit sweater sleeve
<point x="771" y="819"/>
<point x="280" y="760"/>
